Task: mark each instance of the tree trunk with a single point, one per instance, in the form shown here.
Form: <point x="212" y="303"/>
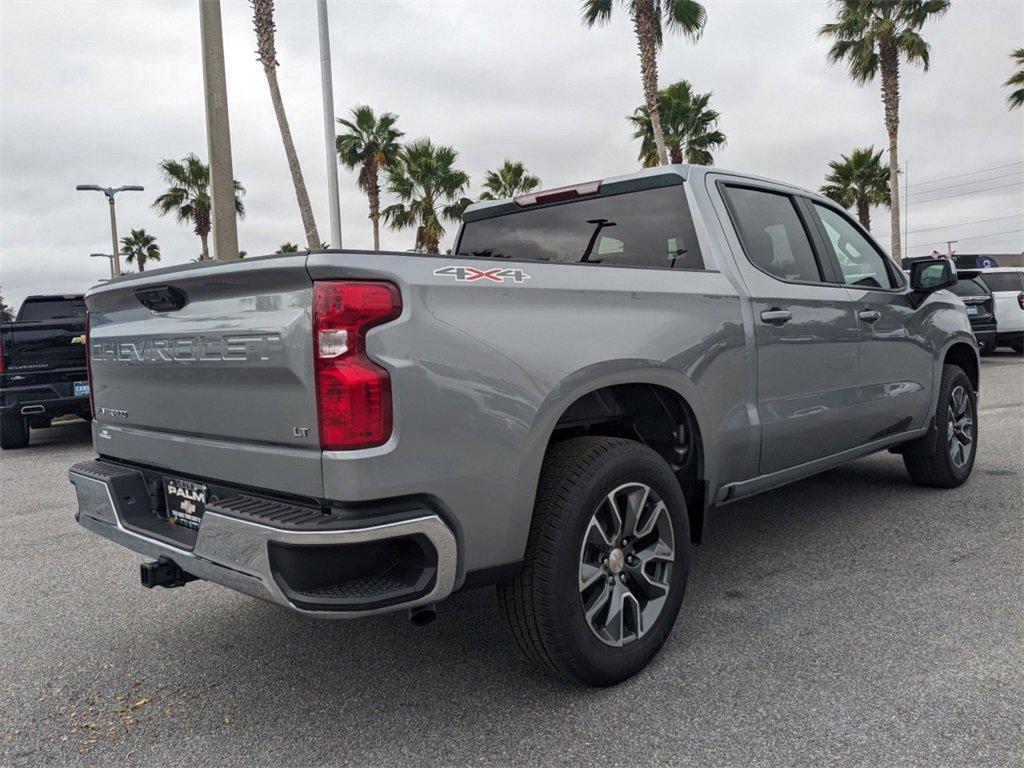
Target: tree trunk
<point x="373" y="194"/>
<point x="305" y="209"/>
<point x="206" y="247"/>
<point x="142" y="263"/>
<point x="676" y="153"/>
<point x="202" y="228"/>
<point x="645" y="24"/>
<point x="890" y="68"/>
<point x="864" y="213"/>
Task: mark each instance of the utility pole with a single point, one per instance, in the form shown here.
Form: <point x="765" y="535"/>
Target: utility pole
<point x="906" y="207"/>
<point x="115" y="259"/>
<point x="218" y="133"/>
<point x="327" y="86"/>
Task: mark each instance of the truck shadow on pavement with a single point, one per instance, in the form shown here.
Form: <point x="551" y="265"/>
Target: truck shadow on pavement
<point x="773" y="571"/>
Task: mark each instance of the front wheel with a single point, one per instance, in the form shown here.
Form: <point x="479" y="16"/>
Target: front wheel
<point x="950" y="459"/>
<point x="606" y="562"/>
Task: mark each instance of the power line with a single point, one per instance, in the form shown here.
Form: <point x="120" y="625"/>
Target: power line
<point x="969" y="173"/>
<point x="958" y="224"/>
<point x="973" y="237"/>
<point x="971" y="192"/>
<point x="967" y="183"/>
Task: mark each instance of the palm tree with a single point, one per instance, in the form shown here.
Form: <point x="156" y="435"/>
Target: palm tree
<point x="1016" y="97"/>
<point x="430" y="188"/>
<point x="140" y="247"/>
<point x="859" y="181"/>
<point x="689" y="126"/>
<point x="6" y="313"/>
<point x="871" y="36"/>
<point x="371" y="143"/>
<point x="263" y="21"/>
<point x="288" y="248"/>
<point x="650" y="17"/>
<point x="508" y="181"/>
<point x="188" y="196"/>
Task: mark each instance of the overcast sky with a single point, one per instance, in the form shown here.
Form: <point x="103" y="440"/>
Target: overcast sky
<point x="100" y="92"/>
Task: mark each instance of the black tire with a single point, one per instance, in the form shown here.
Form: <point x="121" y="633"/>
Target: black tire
<point x="937" y="467"/>
<point x="543" y="605"/>
<point x="13" y="431"/>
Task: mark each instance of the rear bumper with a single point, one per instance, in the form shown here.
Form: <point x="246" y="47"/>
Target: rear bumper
<point x="41" y="401"/>
<point x="312" y="563"/>
<point x="985" y="333"/>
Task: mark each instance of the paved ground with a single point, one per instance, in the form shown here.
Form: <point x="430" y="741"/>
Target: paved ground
<point x="850" y="619"/>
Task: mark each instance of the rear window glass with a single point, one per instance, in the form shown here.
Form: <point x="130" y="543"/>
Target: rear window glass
<point x="1003" y="281"/>
<point x="58" y="309"/>
<point x="970" y="287"/>
<point x="650" y="228"/>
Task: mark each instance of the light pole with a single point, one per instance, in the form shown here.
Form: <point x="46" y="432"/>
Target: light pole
<point x="327" y="87"/>
<point x="105" y="256"/>
<point x="115" y="264"/>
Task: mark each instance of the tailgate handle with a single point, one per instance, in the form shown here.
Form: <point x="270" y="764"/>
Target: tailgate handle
<point x="165" y="298"/>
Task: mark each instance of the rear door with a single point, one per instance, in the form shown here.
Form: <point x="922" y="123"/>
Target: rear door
<point x="208" y="370"/>
<point x="896" y="359"/>
<point x="805" y="330"/>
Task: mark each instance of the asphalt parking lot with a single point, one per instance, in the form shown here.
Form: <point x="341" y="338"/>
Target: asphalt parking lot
<point x="852" y="618"/>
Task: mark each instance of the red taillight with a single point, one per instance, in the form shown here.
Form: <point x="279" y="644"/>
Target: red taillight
<point x="88" y="366"/>
<point x="353" y="393"/>
<point x="1020" y="299"/>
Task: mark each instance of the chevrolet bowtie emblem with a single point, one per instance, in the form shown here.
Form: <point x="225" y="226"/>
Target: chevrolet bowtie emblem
<point x="78" y="339"/>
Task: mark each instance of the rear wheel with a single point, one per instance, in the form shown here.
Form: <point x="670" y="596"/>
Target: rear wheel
<point x="13" y="431"/>
<point x="954" y="446"/>
<point x="606" y="562"/>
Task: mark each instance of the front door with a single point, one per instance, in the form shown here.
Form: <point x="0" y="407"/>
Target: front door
<point x="896" y="355"/>
<point x="805" y="328"/>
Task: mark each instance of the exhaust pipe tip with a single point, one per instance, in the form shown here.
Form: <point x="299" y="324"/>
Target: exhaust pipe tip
<point x="423" y="615"/>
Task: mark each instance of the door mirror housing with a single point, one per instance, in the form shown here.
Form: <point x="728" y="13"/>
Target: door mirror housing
<point x="932" y="275"/>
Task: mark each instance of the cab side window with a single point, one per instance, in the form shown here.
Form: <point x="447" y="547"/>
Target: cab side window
<point x="861" y="263"/>
<point x="772" y="234"/>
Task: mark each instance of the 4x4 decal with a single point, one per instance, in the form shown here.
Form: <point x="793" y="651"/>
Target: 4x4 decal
<point x="466" y="274"/>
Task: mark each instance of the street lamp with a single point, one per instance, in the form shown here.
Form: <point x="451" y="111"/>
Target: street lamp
<point x="115" y="264"/>
<point x="105" y="256"/>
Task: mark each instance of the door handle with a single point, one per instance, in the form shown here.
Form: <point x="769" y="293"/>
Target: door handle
<point x="869" y="315"/>
<point x="776" y="316"/>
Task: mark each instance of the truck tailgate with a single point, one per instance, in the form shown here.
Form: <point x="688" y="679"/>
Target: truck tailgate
<point x="229" y="372"/>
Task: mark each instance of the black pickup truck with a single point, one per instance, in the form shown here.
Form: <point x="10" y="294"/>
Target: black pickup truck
<point x="43" y="371"/>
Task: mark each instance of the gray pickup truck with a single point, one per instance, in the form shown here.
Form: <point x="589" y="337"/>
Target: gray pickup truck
<point x="554" y="407"/>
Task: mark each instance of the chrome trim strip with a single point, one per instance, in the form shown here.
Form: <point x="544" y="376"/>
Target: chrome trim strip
<point x="234" y="552"/>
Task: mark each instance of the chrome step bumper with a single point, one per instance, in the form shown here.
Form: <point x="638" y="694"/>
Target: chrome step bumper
<point x="233" y="546"/>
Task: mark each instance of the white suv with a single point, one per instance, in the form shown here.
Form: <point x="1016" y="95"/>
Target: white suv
<point x="1007" y="286"/>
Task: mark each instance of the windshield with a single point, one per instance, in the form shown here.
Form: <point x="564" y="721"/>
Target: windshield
<point x="649" y="228"/>
<point x="52" y="309"/>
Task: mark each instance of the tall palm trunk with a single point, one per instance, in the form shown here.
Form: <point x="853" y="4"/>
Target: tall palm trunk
<point x="864" y="213"/>
<point x="142" y="263"/>
<point x="305" y="208"/>
<point x="373" y="195"/>
<point x="889" y="64"/>
<point x="202" y="219"/>
<point x="263" y="20"/>
<point x="646" y="25"/>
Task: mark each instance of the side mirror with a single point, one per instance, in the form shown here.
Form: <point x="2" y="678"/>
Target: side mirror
<point x="929" y="276"/>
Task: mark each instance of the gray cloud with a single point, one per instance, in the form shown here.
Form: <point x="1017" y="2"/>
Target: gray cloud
<point x="100" y="92"/>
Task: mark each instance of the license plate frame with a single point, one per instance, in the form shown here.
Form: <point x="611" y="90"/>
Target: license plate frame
<point x="186" y="502"/>
<point x="81" y="388"/>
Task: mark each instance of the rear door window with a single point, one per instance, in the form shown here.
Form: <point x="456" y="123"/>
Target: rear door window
<point x="772" y="234"/>
<point x="1003" y="281"/>
<point x="650" y="228"/>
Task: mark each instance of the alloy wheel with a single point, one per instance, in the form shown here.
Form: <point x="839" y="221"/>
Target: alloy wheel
<point x="625" y="567"/>
<point x="960" y="427"/>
